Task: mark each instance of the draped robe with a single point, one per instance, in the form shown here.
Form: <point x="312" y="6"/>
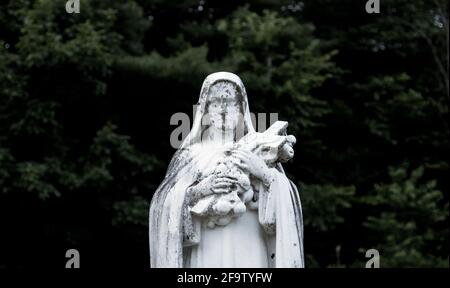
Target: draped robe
<point x="175" y="235"/>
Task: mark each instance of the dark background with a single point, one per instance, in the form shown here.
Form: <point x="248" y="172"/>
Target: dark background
<point x="86" y="99"/>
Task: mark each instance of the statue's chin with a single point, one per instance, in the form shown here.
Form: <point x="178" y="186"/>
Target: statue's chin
<point x="221" y="127"/>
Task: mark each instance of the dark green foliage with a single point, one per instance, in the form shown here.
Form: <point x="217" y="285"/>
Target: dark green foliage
<point x="85" y="103"/>
<point x="410" y="217"/>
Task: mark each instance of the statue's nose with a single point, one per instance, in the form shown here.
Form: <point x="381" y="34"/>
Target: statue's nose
<point x="224" y="110"/>
<point x="223" y="105"/>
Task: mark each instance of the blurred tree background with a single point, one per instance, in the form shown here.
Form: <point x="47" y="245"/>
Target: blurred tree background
<point x="85" y="103"/>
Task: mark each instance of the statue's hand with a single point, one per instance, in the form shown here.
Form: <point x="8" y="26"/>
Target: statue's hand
<point x="210" y="185"/>
<point x="223" y="184"/>
<point x="250" y="162"/>
<point x="201" y="189"/>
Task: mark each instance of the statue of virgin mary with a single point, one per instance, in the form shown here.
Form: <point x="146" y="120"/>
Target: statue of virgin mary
<point x="221" y="203"/>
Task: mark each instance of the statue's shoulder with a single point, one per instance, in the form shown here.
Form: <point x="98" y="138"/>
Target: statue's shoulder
<point x="181" y="158"/>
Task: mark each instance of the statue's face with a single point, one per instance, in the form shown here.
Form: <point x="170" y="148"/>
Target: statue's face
<point x="224" y="107"/>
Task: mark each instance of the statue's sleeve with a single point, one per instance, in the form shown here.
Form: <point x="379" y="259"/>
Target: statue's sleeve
<point x="191" y="233"/>
<point x="267" y="205"/>
<point x="191" y="229"/>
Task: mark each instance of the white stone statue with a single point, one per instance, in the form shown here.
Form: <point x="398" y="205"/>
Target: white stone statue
<point x="225" y="200"/>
